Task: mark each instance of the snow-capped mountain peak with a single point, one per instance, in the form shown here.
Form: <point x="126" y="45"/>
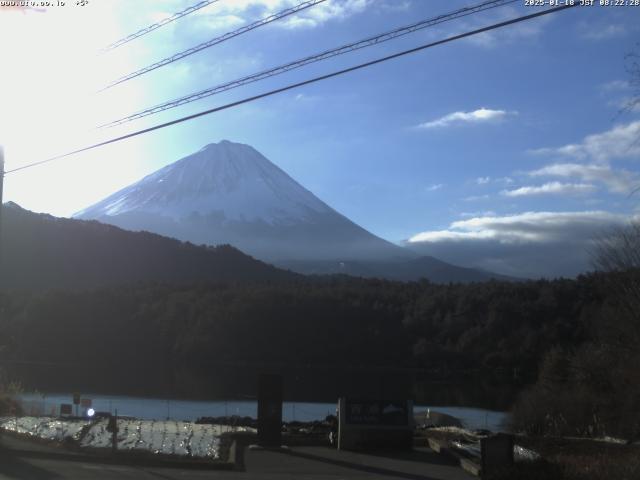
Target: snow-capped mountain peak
<point x="226" y="178"/>
<point x="230" y="193"/>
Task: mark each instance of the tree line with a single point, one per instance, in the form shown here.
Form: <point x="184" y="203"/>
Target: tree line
<point x="150" y="332"/>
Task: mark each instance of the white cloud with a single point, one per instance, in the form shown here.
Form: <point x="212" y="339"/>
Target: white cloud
<point x="159" y="15"/>
<point x="503" y="36"/>
<point x="323" y="12"/>
<point x="395" y="5"/>
<point x="616" y="181"/>
<point x="621" y="95"/>
<point x="598" y="32"/>
<point x="219" y="22"/>
<point x="434" y="187"/>
<point x="306" y="98"/>
<point x="487" y="213"/>
<point x="622" y="141"/>
<point x="244" y="5"/>
<point x="526" y="227"/>
<point x="616" y="86"/>
<point x="475" y="198"/>
<point x="626" y="104"/>
<point x="554" y="188"/>
<point x="480" y="115"/>
<point x="299" y="22"/>
<point x="529" y="244"/>
<point x="232" y="13"/>
<point x="483" y="180"/>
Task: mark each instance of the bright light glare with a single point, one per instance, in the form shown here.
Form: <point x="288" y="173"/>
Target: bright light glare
<point x="91" y="412"/>
<point x="49" y="73"/>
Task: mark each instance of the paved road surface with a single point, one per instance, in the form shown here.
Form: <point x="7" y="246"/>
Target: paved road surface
<point x="304" y="463"/>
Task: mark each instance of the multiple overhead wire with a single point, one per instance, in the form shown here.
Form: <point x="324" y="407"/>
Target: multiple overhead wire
<point x="334" y="52"/>
<point x="215" y="41"/>
<point x="300" y="84"/>
<point x="155" y="26"/>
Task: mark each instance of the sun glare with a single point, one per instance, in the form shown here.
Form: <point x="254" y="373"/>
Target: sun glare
<point x="50" y="72"/>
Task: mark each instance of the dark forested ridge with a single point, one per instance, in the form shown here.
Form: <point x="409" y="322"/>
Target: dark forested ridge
<point x="40" y="251"/>
<point x="179" y="340"/>
<point x="91" y="306"/>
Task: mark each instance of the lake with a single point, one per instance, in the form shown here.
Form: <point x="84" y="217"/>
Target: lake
<point x="154" y="408"/>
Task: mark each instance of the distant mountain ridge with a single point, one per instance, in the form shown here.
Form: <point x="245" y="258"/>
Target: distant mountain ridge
<point x="43" y="252"/>
<point x="424" y="267"/>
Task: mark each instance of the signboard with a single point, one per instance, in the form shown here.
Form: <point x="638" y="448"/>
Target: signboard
<point x="85" y="403"/>
<point x="374" y="424"/>
<point x="358" y="412"/>
<point x="66" y="409"/>
<point x="76" y="399"/>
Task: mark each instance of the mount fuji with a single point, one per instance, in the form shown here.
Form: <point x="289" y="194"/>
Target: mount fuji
<point x="229" y="193"/>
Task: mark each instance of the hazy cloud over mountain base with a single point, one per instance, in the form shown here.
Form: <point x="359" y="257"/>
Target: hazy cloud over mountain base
<point x="531" y="244"/>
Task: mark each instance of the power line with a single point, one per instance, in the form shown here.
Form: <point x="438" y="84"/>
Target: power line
<point x="300" y="84"/>
<point x="367" y="42"/>
<point x="38" y="363"/>
<point x="215" y="41"/>
<point x="155" y="26"/>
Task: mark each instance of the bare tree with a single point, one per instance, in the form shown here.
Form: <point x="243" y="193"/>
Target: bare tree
<point x="618" y="250"/>
<point x="632" y="65"/>
<point x="617" y="253"/>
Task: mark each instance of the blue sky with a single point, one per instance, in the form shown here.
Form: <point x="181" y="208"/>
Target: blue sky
<point x="481" y="151"/>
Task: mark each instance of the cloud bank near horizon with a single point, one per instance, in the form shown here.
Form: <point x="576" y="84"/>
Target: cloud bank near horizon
<point x="530" y="244"/>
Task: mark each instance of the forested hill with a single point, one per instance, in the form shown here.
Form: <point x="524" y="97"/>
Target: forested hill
<point x="174" y="340"/>
<point x="40" y="251"/>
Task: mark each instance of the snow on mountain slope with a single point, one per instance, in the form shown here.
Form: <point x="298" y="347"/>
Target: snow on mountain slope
<point x="227" y="177"/>
<point x="230" y="193"/>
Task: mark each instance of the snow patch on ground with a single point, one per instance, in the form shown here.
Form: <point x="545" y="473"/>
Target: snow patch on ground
<point x="468" y="441"/>
<point x="46" y="428"/>
<point x="183" y="439"/>
<point x="524" y="454"/>
<point x="456" y="430"/>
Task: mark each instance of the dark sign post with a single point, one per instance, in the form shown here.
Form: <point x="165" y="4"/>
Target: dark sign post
<point x="497" y="453"/>
<point x="112" y="427"/>
<point x="76" y="401"/>
<point x="270" y="410"/>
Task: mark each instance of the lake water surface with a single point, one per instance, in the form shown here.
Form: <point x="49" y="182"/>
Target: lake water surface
<point x="153" y="408"/>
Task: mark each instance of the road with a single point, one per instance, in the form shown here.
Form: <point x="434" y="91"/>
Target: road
<point x="300" y="463"/>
